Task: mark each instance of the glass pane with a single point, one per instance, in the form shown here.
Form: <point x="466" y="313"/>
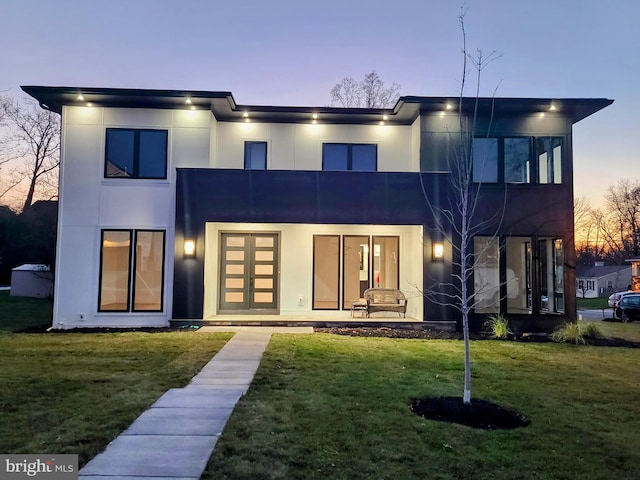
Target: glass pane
<point x="237" y="255"/>
<point x="558" y="261"/>
<point x="119" y="153"/>
<point x="326" y="277"/>
<point x="255" y="155"/>
<point x="263" y="297"/>
<point x="264" y="269"/>
<point x="264" y="283"/>
<point x="148" y="279"/>
<point x="551" y="281"/>
<point x="335" y="156"/>
<point x="549" y="154"/>
<point x="235" y="241"/>
<point x="114" y="270"/>
<point x="518" y="252"/>
<point x="356" y="269"/>
<point x="385" y="262"/>
<point x="485" y="160"/>
<point x="517" y="156"/>
<point x="364" y="158"/>
<point x="486" y="275"/>
<point x="264" y="256"/>
<point x="232" y="269"/>
<point x="264" y="241"/>
<point x="152" y="154"/>
<point x="234" y="297"/>
<point x="234" y="283"/>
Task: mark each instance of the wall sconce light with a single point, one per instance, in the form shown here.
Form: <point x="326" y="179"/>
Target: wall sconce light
<point x="189" y="248"/>
<point x="438" y="251"/>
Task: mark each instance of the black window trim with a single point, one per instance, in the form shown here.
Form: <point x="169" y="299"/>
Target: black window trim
<point x="136" y="152"/>
<point x="533" y="159"/>
<point x="133" y="238"/>
<point x="266" y="153"/>
<point x="349" y="154"/>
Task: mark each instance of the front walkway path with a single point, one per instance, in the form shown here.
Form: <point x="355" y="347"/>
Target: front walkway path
<point x="176" y="436"/>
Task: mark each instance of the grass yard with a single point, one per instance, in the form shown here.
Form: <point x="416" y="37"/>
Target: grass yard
<point x="75" y="392"/>
<point x="333" y="407"/>
<point x="591" y="303"/>
<point x="20" y="313"/>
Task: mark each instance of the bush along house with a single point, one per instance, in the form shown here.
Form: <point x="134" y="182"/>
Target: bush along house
<point x="184" y="207"/>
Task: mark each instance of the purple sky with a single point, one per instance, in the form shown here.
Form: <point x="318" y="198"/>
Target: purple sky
<point x="291" y="52"/>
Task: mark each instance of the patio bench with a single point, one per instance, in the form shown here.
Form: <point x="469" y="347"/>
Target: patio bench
<point x="385" y="300"/>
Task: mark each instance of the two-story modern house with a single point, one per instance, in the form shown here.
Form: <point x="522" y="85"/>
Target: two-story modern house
<point x="184" y="206"/>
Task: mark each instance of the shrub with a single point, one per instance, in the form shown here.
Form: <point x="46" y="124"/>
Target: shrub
<point x="497" y="326"/>
<point x="569" y="332"/>
<point x="591" y="330"/>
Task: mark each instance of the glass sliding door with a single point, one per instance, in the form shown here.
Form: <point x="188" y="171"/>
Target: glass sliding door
<point x="356" y="278"/>
<point x="486" y="275"/>
<point x="326" y="272"/>
<point x="385" y="262"/>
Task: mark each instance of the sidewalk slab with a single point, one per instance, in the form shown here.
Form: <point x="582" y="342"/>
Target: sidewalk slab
<point x="153" y="456"/>
<point x="180" y="421"/>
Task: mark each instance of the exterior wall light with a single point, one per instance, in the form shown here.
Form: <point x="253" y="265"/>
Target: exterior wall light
<point x="438" y="251"/>
<point x="189" y="248"/>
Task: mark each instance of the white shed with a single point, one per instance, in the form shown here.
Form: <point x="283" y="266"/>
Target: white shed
<point x="31" y="280"/>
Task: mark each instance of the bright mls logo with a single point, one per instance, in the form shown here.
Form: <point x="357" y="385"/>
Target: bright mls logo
<point x="45" y="467"/>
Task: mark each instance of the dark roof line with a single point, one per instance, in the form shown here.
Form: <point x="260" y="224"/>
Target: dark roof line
<point x="225" y="108"/>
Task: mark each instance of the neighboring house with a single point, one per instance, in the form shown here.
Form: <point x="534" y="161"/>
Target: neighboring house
<point x="184" y="206"/>
<point x="602" y="280"/>
<point x="31" y="280"/>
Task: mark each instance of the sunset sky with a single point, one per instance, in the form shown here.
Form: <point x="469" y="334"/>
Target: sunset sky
<point x="291" y="52"/>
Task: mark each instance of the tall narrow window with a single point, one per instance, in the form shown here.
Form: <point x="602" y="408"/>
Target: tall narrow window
<point x="517" y="160"/>
<point x="485" y="160"/>
<point x="551" y="275"/>
<point x="549" y="154"/>
<point x="255" y="155"/>
<point x="486" y="275"/>
<point x="518" y="253"/>
<point x="131" y="279"/>
<point x="385" y="262"/>
<point x="135" y="153"/>
<point x="346" y="156"/>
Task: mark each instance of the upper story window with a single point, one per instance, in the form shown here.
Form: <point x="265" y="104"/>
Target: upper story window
<point x="255" y="155"/>
<point x="136" y="153"/>
<point x="512" y="160"/>
<point x="361" y="157"/>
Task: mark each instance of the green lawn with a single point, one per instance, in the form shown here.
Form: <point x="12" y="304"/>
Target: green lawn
<point x="74" y="392"/>
<point x="591" y="303"/>
<point x="20" y="313"/>
<point x="333" y="407"/>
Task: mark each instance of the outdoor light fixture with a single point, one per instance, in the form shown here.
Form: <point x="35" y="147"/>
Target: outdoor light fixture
<point x="438" y="251"/>
<point x="189" y="248"/>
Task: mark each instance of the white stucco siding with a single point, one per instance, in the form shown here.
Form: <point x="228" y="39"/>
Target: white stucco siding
<point x="89" y="203"/>
<point x="296" y="261"/>
<point x="299" y="146"/>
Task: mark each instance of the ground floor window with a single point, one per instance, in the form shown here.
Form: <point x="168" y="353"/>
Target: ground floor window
<point x="131" y="271"/>
<point x="344" y="266"/>
<point x="507" y="272"/>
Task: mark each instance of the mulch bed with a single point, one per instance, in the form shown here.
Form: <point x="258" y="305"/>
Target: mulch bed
<point x="478" y="414"/>
<point x="429" y="334"/>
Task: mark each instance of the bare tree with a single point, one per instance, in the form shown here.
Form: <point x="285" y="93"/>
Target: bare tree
<point x="32" y="145"/>
<point x="622" y="228"/>
<point x="371" y="92"/>
<point x="460" y="211"/>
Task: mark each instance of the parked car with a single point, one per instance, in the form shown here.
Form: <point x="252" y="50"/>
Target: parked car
<point x="614" y="298"/>
<point x="628" y="308"/>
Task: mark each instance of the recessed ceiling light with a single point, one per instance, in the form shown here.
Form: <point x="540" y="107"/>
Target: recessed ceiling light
<point x="381" y="123"/>
<point x="314" y="116"/>
<point x="449" y="106"/>
<point x="80" y="97"/>
<point x="385" y="117"/>
<point x="245" y="115"/>
<point x="188" y="101"/>
<point x="552" y="108"/>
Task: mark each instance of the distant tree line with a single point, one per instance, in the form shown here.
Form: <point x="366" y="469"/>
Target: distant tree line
<point x="611" y="233"/>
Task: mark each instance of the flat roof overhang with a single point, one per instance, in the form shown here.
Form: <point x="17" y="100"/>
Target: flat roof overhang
<point x="224" y="107"/>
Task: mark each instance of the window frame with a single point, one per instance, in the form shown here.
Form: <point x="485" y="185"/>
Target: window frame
<point x="534" y="163"/>
<point x="349" y="159"/>
<point x="136" y="153"/>
<point x="131" y="274"/>
<point x="266" y="153"/>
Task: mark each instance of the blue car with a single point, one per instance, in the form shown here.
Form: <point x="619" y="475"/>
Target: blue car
<point x="628" y="308"/>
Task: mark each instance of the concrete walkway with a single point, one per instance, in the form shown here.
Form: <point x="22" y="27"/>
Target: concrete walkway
<point x="176" y="436"/>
